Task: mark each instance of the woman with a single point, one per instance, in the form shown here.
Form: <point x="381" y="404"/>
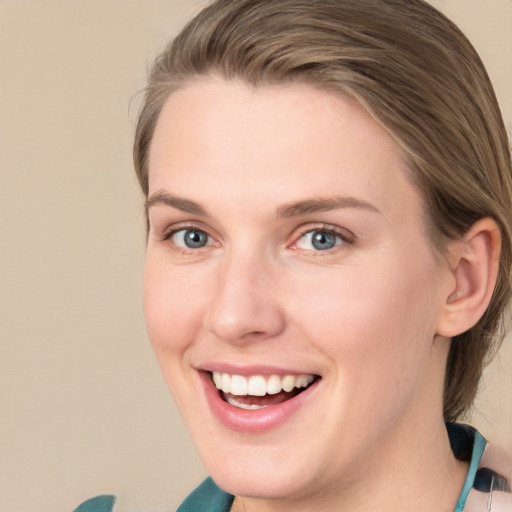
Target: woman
<point x="328" y="192"/>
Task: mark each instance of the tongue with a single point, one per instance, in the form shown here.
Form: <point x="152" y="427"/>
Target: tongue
<point x="266" y="400"/>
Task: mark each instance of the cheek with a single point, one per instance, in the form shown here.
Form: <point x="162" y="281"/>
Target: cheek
<point x="171" y="307"/>
<point x="376" y="328"/>
<point x="377" y="318"/>
<point x="173" y="317"/>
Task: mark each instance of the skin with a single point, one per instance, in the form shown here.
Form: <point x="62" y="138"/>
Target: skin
<point x="365" y="315"/>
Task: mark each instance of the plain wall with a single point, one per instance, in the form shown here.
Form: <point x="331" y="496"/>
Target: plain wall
<point x="83" y="408"/>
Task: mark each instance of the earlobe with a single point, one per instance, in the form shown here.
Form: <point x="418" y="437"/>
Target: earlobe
<point x="474" y="262"/>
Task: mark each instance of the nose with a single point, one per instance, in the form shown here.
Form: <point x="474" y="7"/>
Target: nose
<point x="245" y="306"/>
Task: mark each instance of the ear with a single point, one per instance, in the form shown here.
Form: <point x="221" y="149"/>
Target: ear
<point x="474" y="265"/>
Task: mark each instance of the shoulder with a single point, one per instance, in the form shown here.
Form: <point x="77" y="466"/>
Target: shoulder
<point x="103" y="503"/>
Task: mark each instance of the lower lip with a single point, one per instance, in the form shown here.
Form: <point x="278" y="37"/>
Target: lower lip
<point x="252" y="421"/>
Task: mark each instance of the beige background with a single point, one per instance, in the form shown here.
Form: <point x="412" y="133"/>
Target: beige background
<point x="83" y="409"/>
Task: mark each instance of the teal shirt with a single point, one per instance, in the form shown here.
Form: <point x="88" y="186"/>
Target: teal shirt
<point x="466" y="443"/>
<point x="99" y="504"/>
<point x="476" y="454"/>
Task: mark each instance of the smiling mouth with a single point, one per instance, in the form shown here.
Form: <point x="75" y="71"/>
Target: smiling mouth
<point x="258" y="391"/>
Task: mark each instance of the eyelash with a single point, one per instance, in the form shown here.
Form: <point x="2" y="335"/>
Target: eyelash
<point x="346" y="238"/>
<point x="168" y="235"/>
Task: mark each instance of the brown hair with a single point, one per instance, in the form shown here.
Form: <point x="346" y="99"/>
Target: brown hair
<point x="415" y="72"/>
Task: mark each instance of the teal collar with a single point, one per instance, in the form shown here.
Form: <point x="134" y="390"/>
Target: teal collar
<point x="469" y="445"/>
<point x="208" y="497"/>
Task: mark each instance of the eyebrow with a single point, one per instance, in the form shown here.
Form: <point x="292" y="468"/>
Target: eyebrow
<point x="294" y="209"/>
<point x="185" y="205"/>
<point x="309" y="206"/>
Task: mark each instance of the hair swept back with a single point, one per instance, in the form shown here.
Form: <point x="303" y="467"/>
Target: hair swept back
<point x="415" y="72"/>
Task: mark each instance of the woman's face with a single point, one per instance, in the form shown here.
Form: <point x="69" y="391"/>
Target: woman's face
<point x="287" y="252"/>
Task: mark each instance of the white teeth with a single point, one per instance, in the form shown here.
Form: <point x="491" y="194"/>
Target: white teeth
<point x="238" y="385"/>
<point x="274" y="385"/>
<point x="288" y="383"/>
<point x="306" y="380"/>
<point x="248" y="407"/>
<point x="217" y="379"/>
<point x="226" y="383"/>
<point x="303" y="381"/>
<point x="257" y="385"/>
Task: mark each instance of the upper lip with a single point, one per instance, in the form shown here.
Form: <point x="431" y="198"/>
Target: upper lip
<point x="250" y="370"/>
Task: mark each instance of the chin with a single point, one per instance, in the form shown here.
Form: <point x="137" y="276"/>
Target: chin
<point x="262" y="483"/>
<point x="243" y="467"/>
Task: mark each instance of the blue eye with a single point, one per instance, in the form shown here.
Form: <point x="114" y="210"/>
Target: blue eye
<point x="190" y="238"/>
<point x="319" y="240"/>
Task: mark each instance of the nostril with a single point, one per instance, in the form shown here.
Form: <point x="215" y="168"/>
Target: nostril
<point x="245" y="325"/>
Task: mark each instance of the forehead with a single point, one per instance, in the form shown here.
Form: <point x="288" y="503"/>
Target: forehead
<point x="273" y="141"/>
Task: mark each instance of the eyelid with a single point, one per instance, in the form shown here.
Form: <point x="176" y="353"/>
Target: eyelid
<point x="344" y="234"/>
<point x="165" y="232"/>
<point x="180" y="248"/>
<point x="177" y="243"/>
<point x="173" y="228"/>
